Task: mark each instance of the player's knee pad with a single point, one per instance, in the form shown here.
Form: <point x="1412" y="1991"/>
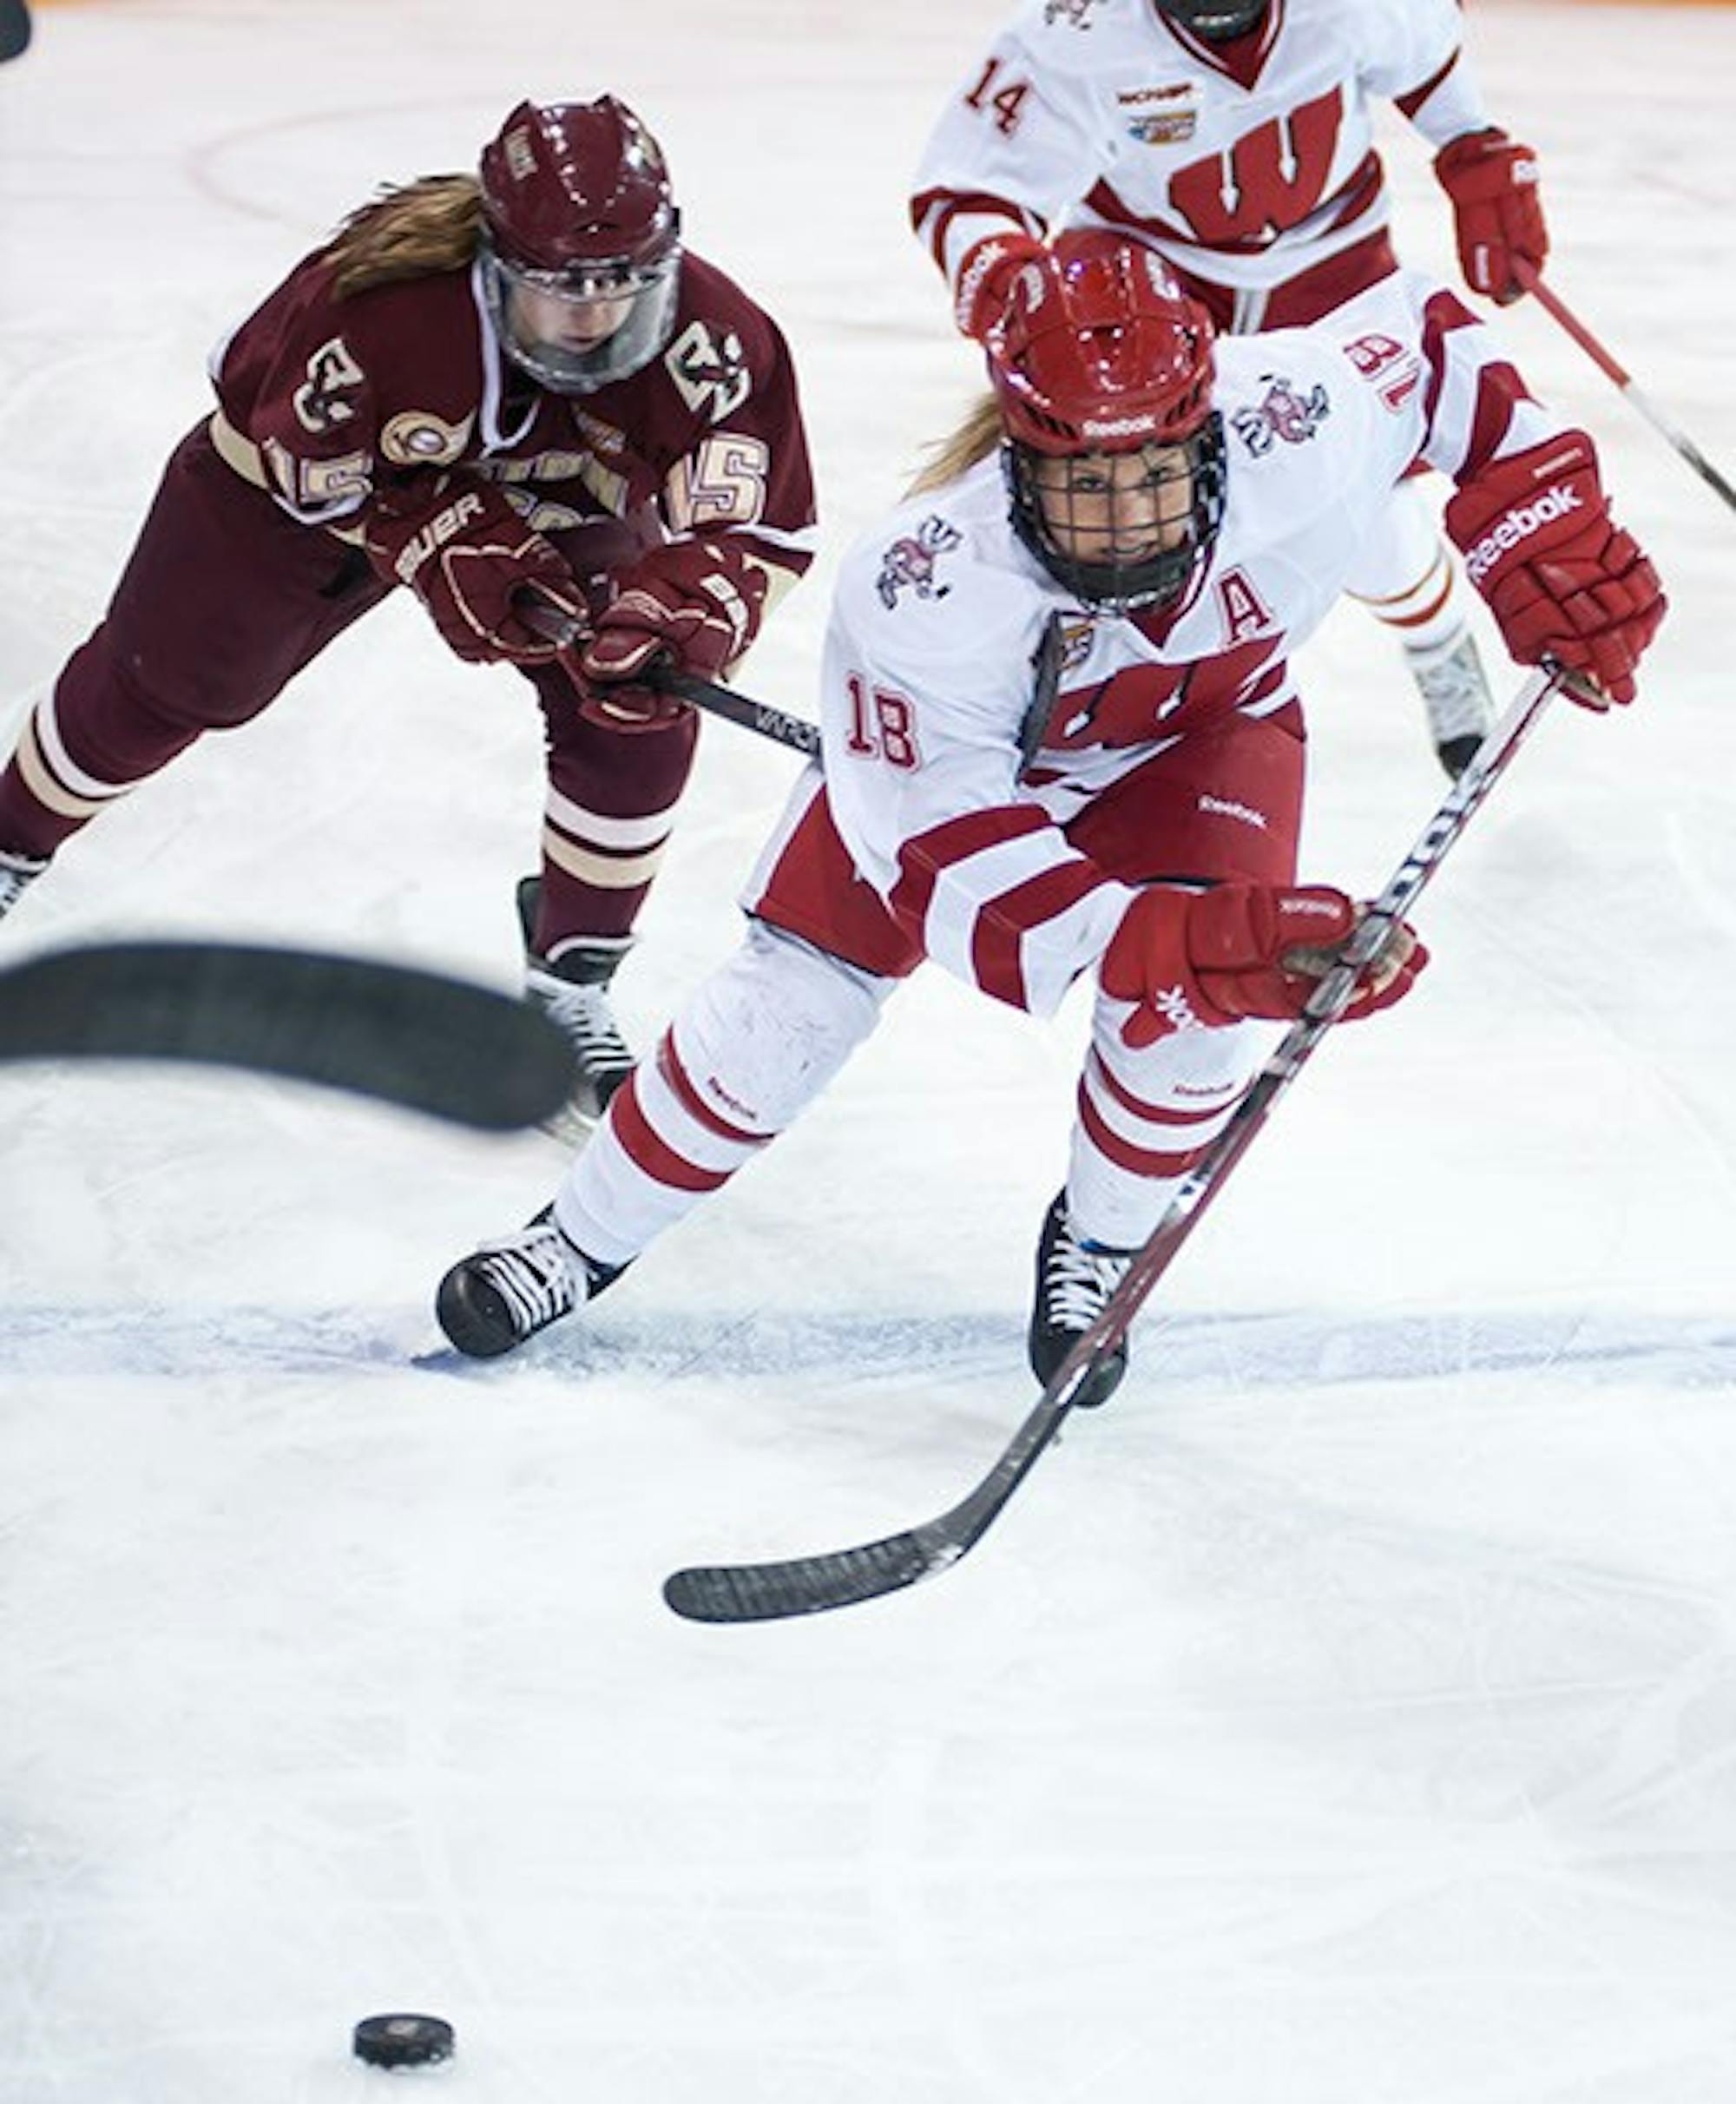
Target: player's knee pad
<point x="764" y="1034"/>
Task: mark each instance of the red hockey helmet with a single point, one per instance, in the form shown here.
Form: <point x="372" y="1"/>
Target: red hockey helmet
<point x="1101" y="353"/>
<point x="581" y="242"/>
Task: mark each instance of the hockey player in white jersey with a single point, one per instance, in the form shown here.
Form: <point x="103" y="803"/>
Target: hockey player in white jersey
<point x="1236" y="137"/>
<point x="1162" y="533"/>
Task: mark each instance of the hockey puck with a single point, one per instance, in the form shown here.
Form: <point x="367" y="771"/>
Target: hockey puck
<point x="403" y="2042"/>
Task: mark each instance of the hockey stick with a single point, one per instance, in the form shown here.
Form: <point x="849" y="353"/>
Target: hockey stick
<point x="413" y="1038"/>
<point x="1558" y="311"/>
<point x="795" y="732"/>
<point x="15" y="29"/>
<point x="807" y="1585"/>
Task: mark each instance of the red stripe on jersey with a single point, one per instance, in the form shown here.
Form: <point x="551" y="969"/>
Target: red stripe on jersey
<point x="654" y="1157"/>
<point x="1413" y="102"/>
<point x="923" y="859"/>
<point x="946" y="205"/>
<point x="1110" y="206"/>
<point x="1152" y="1114"/>
<point x="1137" y="1161"/>
<point x="1358" y="191"/>
<point x="997" y="946"/>
<point x="1499" y="391"/>
<point x="1499" y="388"/>
<point x="680" y="1082"/>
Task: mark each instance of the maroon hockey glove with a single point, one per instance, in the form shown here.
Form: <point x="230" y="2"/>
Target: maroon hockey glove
<point x="1202" y="960"/>
<point x="465" y="552"/>
<point x="1492" y="181"/>
<point x="986" y="280"/>
<point x="1560" y="577"/>
<point x="693" y="606"/>
<point x="625" y="707"/>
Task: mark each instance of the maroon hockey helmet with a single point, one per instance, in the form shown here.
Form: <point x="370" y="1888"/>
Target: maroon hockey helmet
<point x="581" y="242"/>
<point x="1101" y="353"/>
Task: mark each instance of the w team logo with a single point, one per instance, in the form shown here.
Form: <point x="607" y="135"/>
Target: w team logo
<point x="911" y="562"/>
<point x="1282" y="415"/>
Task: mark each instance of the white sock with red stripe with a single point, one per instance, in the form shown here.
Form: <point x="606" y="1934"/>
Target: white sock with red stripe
<point x="1144" y="1118"/>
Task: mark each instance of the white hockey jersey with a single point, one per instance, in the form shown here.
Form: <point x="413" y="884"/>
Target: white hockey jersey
<point x="940" y="611"/>
<point x="1244" y="167"/>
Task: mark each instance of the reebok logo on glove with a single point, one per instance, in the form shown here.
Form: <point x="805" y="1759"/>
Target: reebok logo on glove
<point x="1519" y="525"/>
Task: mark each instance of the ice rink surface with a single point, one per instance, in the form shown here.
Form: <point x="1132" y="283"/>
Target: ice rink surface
<point x="1347" y="1716"/>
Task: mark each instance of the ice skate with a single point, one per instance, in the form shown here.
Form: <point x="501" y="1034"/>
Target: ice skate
<point x="15" y="872"/>
<point x="573" y="992"/>
<point x="1074" y="1279"/>
<point x="501" y="1295"/>
<point x="1450" y="677"/>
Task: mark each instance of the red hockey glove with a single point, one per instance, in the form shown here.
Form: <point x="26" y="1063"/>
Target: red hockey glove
<point x="1202" y="960"/>
<point x="1560" y="577"/>
<point x="1492" y="181"/>
<point x="465" y="552"/>
<point x="987" y="279"/>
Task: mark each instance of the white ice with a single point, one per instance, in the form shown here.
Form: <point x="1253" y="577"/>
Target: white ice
<point x="1347" y="1716"/>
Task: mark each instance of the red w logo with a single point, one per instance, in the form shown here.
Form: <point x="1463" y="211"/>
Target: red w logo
<point x="1279" y="176"/>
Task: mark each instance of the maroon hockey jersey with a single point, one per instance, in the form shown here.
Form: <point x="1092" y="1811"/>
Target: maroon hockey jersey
<point x="328" y="402"/>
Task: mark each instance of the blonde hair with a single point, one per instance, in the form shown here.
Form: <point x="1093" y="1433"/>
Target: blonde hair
<point x="977" y="435"/>
<point x="411" y="230"/>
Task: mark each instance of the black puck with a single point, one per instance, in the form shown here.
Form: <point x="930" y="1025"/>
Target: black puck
<point x="403" y="2042"/>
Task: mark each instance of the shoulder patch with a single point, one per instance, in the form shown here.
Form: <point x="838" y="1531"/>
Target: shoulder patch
<point x="321" y="402"/>
<point x="709" y="370"/>
<point x="1282" y="414"/>
<point x="911" y="561"/>
<point x="418" y="438"/>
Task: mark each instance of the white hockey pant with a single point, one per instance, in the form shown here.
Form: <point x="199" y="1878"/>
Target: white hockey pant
<point x="760" y="1039"/>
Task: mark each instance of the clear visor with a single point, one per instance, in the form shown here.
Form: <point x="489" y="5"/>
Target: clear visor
<point x="577" y="331"/>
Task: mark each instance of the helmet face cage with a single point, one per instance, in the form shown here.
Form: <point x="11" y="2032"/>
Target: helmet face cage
<point x="518" y="297"/>
<point x="1063" y="503"/>
<point x="1214" y="21"/>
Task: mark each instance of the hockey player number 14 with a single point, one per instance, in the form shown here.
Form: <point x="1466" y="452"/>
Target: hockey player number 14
<point x="883" y="725"/>
<point x="1006" y="102"/>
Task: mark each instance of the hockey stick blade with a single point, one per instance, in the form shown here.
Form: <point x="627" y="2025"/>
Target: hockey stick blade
<point x="844" y="1577"/>
<point x="841" y="1578"/>
<point x="413" y="1038"/>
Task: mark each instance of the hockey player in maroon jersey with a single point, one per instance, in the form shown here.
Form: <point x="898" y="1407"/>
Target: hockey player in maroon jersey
<point x="484" y="387"/>
<point x="1178" y="518"/>
<point x="1236" y="136"/>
